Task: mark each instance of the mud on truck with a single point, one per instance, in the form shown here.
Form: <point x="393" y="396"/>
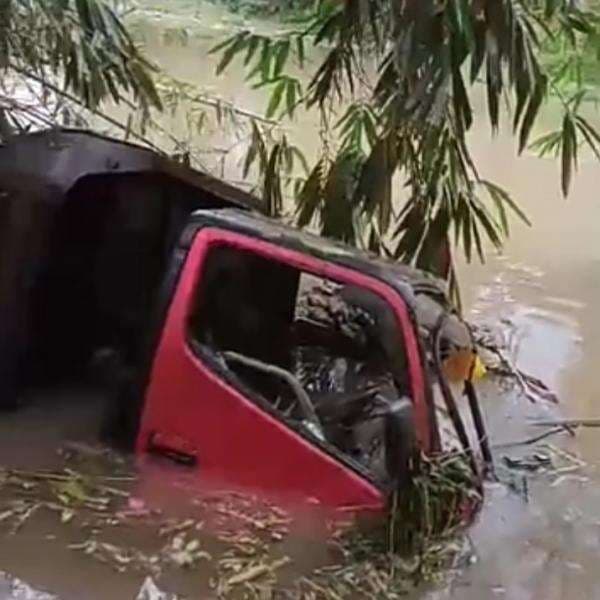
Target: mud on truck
<point x="241" y="348"/>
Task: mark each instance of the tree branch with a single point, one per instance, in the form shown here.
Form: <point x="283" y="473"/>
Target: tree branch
<point x="63" y="94"/>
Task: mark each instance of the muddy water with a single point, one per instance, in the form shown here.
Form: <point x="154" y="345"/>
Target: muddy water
<point x="539" y="540"/>
<point x="548" y="286"/>
<point x="543" y="544"/>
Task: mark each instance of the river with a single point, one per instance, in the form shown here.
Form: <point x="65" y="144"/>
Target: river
<point x="547" y="284"/>
<point x="545" y="544"/>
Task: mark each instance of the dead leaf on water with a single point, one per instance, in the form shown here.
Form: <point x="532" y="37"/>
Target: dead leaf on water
<point x="67" y="516"/>
<point x="7" y="514"/>
<point x="183" y="552"/>
<point x="255" y="571"/>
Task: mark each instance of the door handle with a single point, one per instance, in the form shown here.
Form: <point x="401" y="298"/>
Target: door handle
<point x="172" y="447"/>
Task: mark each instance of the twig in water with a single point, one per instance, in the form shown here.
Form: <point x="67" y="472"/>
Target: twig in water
<point x="324" y="592"/>
<point x="531" y="440"/>
<point x="572" y="423"/>
<point x="566" y="455"/>
<point x="257" y="571"/>
<point x="532" y="387"/>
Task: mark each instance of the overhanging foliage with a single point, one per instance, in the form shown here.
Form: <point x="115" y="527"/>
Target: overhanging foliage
<point x="395" y="95"/>
<point x="57" y="57"/>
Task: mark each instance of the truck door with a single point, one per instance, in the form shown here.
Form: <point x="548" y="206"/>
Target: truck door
<point x="236" y="297"/>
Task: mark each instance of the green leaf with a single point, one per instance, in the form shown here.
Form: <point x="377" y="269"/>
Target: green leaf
<point x="493" y="107"/>
<point x="253" y="44"/>
<point x="291" y="88"/>
<point x="272" y="194"/>
<point x="300" y="157"/>
<point x="337" y="212"/>
<point x="463" y="12"/>
<point x="232" y="50"/>
<point x="592" y="137"/>
<point x="504" y="198"/>
<point x="310" y="196"/>
<point x="568" y="153"/>
<point x="224" y="44"/>
<point x="478" y="244"/>
<point x="281" y="51"/>
<point x="533" y="107"/>
<point x="492" y="229"/>
<point x="276" y="96"/>
<point x="300" y="51"/>
<point x="146" y="84"/>
<point x="266" y="56"/>
<point x="460" y="99"/>
<point x="375" y="183"/>
<point x="466" y="227"/>
<point x="548" y="143"/>
<point x="251" y="155"/>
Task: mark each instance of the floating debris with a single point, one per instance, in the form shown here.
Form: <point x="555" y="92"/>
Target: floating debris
<point x="248" y="531"/>
<point x="119" y="557"/>
<point x="259" y="570"/>
<point x="184" y="552"/>
<point x="12" y="588"/>
<point x="150" y="591"/>
<point x="535" y="462"/>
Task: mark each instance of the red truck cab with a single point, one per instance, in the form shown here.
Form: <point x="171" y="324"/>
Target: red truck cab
<point x="257" y="355"/>
<point x="200" y="408"/>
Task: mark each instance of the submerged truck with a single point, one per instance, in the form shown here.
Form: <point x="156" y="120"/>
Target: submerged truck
<point x="239" y="347"/>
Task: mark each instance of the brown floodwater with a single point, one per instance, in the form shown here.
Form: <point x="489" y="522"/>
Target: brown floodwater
<point x="536" y="539"/>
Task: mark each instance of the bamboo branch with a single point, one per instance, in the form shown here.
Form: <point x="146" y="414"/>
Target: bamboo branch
<point x="531" y="440"/>
<point x="64" y="94"/>
<point x="568" y="423"/>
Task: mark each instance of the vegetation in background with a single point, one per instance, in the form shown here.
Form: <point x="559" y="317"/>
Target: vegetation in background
<point x="266" y="7"/>
<point x="394" y="94"/>
<point x="71" y="62"/>
<point x="62" y="61"/>
<point x="393" y="90"/>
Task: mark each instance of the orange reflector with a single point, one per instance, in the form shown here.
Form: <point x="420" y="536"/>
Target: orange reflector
<point x="463" y="365"/>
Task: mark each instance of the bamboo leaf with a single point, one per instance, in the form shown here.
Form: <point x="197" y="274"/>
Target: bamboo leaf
<point x="276" y="96"/>
<point x="590" y="135"/>
<point x="224" y="44"/>
<point x="232" y="51"/>
<point x="568" y="153"/>
<point x="466" y="229"/>
<point x="310" y="196"/>
<point x="531" y="113"/>
<point x="504" y="198"/>
<point x="281" y="54"/>
<point x="478" y="244"/>
<point x="253" y="44"/>
<point x="146" y="83"/>
<point x="291" y="88"/>
<point x="300" y="50"/>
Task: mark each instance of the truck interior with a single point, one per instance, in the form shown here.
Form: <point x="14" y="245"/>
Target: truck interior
<point x="108" y="250"/>
<point x="86" y="225"/>
<point x="321" y="355"/>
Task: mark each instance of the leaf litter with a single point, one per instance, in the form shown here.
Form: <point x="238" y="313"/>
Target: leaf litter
<point x="251" y="560"/>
